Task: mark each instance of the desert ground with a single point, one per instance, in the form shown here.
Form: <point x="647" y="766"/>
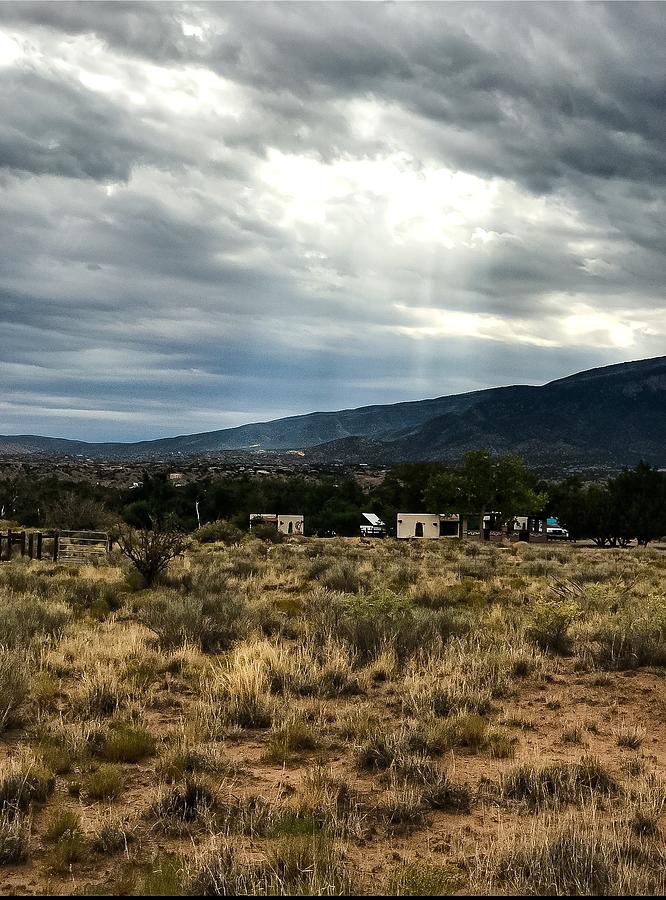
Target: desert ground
<point x="336" y="716"/>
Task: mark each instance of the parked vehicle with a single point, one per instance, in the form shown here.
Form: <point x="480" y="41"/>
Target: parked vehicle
<point x="555" y="533"/>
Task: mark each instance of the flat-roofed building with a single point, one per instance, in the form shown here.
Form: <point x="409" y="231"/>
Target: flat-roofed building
<point x="417" y="525"/>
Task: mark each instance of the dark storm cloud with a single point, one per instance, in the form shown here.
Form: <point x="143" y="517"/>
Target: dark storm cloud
<point x="214" y="213"/>
<point x="50" y="127"/>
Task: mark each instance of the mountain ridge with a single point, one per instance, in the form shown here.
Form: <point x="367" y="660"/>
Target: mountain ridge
<point x="613" y="414"/>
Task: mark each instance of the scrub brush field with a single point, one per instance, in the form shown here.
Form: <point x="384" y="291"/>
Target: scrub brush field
<point x="333" y="717"/>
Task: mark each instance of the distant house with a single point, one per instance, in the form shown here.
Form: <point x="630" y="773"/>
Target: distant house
<point x="430" y="525"/>
<point x="290" y="524"/>
<point x="286" y="524"/>
<point x="372" y="526"/>
<point x="417" y="525"/>
<point x="177" y="479"/>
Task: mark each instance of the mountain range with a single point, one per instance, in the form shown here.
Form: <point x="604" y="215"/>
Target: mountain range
<point x="604" y="418"/>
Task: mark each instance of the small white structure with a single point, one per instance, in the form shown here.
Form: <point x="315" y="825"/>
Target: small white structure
<point x="290" y="524"/>
<point x="372" y="526"/>
<point x="417" y="525"/>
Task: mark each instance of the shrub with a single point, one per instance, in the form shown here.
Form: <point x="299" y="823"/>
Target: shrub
<point x="14" y="686"/>
<point x="219" y="531"/>
<point x="420" y="879"/>
<point x="26" y="617"/>
<point x="550" y="622"/>
<point x="211" y="624"/>
<point x="150" y="552"/>
<point x="127" y="743"/>
<point x="106" y="783"/>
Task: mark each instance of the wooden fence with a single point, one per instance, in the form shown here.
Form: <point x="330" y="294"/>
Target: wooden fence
<point x="58" y="546"/>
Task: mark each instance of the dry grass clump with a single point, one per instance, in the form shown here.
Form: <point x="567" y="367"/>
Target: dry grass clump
<point x="14" y="837"/>
<point x="238" y="695"/>
<point x="107" y="782"/>
<point x="403" y="809"/>
<point x="558" y="784"/>
<point x="633" y="635"/>
<point x="328" y="803"/>
<point x="290" y="737"/>
<point x="422" y="879"/>
<point x="313" y="670"/>
<point x="184" y="804"/>
<point x="580" y="857"/>
<point x="14" y="686"/>
<point x="127" y="742"/>
<point x="185" y="758"/>
<point x="630" y="737"/>
<point x="299" y="865"/>
<point x="24" y="781"/>
<point x="113" y="836"/>
<point x="549" y="624"/>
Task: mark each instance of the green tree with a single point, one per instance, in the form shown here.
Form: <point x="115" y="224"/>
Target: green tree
<point x="484" y="485"/>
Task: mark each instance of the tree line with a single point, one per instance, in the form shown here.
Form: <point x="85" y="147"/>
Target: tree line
<point x="630" y="506"/>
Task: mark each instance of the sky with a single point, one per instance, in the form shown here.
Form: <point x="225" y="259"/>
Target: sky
<point x="213" y="214"/>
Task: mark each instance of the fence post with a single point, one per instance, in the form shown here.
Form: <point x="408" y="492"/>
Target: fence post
<point x="1" y="539"/>
<point x="55" y="547"/>
<point x="31" y="545"/>
<point x="39" y="545"/>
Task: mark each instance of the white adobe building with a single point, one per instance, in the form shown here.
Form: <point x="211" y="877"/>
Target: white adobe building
<point x="417" y="525"/>
<point x="430" y="525"/>
<point x="290" y="524"/>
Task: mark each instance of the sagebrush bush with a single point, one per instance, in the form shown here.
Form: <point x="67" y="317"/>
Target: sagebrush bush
<point x="14" y="685"/>
<point x="212" y="623"/>
<point x="26" y="617"/>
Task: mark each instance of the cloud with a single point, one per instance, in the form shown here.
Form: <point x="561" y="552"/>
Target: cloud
<point x="218" y="213"/>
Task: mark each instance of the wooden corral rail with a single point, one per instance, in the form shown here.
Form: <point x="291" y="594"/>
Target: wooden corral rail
<point x="59" y="546"/>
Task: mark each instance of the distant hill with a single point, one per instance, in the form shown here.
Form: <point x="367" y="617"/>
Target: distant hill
<point x="604" y="417"/>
